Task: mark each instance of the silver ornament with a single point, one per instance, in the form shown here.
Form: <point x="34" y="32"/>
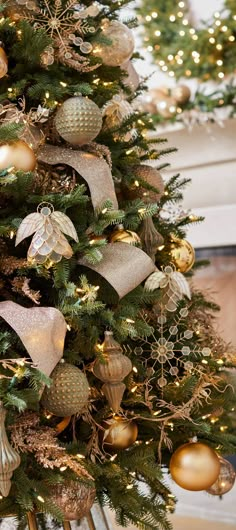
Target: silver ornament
<point x="78" y="120"/>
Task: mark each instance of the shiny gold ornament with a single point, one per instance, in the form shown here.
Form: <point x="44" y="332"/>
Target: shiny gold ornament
<point x="181" y="94"/>
<point x="112" y="367"/>
<point x="78" y="120"/>
<point x="182" y="255"/>
<point x="225" y="480"/>
<point x="125" y="236"/>
<point x="75" y="499"/>
<point x="151" y="176"/>
<point x="18" y="155"/>
<point x="166" y="107"/>
<point x="3" y="63"/>
<point x="121" y="47"/>
<point x="48" y="245"/>
<point x="118" y="433"/>
<point x="9" y="458"/>
<point x="194" y="466"/>
<point x="68" y="393"/>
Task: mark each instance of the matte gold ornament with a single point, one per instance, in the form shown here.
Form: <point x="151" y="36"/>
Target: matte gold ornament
<point x="118" y="433"/>
<point x="125" y="236"/>
<point x="182" y="255"/>
<point x="151" y="176"/>
<point x="68" y="393"/>
<point x="9" y="458"/>
<point x="18" y="155"/>
<point x="75" y="499"/>
<point x="78" y="120"/>
<point x="225" y="480"/>
<point x="3" y="63"/>
<point x="121" y="47"/>
<point x="48" y="245"/>
<point x="112" y="367"/>
<point x="195" y="466"/>
<point x="181" y="94"/>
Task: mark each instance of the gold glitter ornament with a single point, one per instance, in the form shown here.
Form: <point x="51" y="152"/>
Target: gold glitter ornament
<point x="182" y="254"/>
<point x="75" y="499"/>
<point x="194" y="466"/>
<point x="225" y="481"/>
<point x="121" y="45"/>
<point x="78" y="120"/>
<point x="48" y="245"/>
<point x="3" y="63"/>
<point x="117" y="433"/>
<point x="68" y="393"/>
<point x="181" y="94"/>
<point x="125" y="236"/>
<point x="9" y="458"/>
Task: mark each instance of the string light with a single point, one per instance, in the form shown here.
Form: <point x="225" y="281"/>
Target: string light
<point x="157" y="33"/>
<point x="113" y="457"/>
<point x="181" y="4"/>
<point x="135" y="370"/>
<point x="40" y="499"/>
<point x="212" y="40"/>
<point x="172" y="18"/>
<point x="182" y="33"/>
<point x="224" y="28"/>
<point x="154" y="14"/>
<point x="195" y="37"/>
<point x="221" y="75"/>
<point x="218" y="23"/>
<point x="80" y="456"/>
<point x="148" y="18"/>
<point x="231" y="38"/>
<point x="219" y="47"/>
<point x="219" y="62"/>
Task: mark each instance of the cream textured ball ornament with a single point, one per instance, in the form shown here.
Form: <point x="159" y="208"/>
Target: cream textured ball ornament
<point x="78" y="120"/>
<point x="121" y="45"/>
<point x="68" y="393"/>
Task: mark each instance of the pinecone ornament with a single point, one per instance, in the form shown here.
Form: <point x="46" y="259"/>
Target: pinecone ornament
<point x="48" y="245"/>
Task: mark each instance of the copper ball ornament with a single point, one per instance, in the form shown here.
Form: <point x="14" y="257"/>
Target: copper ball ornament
<point x="3" y="63"/>
<point x="225" y="481"/>
<point x="151" y="176"/>
<point x="18" y="155"/>
<point x="117" y="433"/>
<point x="121" y="45"/>
<point x="181" y="94"/>
<point x="75" y="499"/>
<point x="68" y="393"/>
<point x="78" y="120"/>
<point x="194" y="466"/>
<point x="182" y="255"/>
<point x="125" y="236"/>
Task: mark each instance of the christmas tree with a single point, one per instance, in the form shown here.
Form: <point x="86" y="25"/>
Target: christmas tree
<point x="109" y="359"/>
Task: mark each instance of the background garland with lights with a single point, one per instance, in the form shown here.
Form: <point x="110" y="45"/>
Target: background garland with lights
<point x="183" y="51"/>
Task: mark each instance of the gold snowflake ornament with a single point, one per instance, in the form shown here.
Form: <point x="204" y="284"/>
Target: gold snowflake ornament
<point x="66" y="23"/>
<point x="48" y="245"/>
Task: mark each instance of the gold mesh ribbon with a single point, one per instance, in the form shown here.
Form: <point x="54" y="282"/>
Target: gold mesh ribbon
<point x="94" y="170"/>
<point x="123" y="266"/>
<point x="42" y="330"/>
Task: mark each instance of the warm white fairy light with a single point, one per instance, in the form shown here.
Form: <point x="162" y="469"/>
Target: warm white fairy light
<point x="170" y="57"/>
<point x="221" y="75"/>
<point x="219" y="47"/>
<point x="217" y="14"/>
<point x="218" y="23"/>
<point x="180" y="14"/>
<point x="185" y="22"/>
<point x="172" y="18"/>
<point x="211" y="30"/>
<point x="181" y="4"/>
<point x="212" y="40"/>
<point x="231" y="38"/>
<point x="171" y="74"/>
<point x="148" y="18"/>
<point x="154" y="14"/>
<point x="195" y="37"/>
<point x="182" y="33"/>
<point x="157" y="33"/>
<point x="219" y="62"/>
<point x="224" y="28"/>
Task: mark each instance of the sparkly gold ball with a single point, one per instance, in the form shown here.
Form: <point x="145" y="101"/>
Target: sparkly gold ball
<point x="118" y="433"/>
<point x="182" y="255"/>
<point x="75" y="499"/>
<point x="194" y="466"/>
<point x="166" y="107"/>
<point x="78" y="120"/>
<point x="3" y="63"/>
<point x="68" y="393"/>
<point x="225" y="481"/>
<point x="181" y="94"/>
<point x="18" y="155"/>
<point x="150" y="175"/>
<point x="125" y="236"/>
<point x="120" y="47"/>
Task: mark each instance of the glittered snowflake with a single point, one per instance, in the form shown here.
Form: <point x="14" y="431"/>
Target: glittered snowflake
<point x="67" y="25"/>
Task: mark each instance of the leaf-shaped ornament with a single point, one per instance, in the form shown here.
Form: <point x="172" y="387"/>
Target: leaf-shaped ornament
<point x="65" y="224"/>
<point x="182" y="284"/>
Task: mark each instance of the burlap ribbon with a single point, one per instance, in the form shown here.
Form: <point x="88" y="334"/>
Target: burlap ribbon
<point x="123" y="266"/>
<point x="94" y="170"/>
<point x="42" y="330"/>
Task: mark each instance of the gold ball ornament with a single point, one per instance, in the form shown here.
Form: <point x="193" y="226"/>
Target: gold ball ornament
<point x="75" y="499"/>
<point x="182" y="255"/>
<point x="18" y="155"/>
<point x="225" y="481"/>
<point x="166" y="107"/>
<point x="3" y="63"/>
<point x="78" y="120"/>
<point x="125" y="236"/>
<point x="152" y="177"/>
<point x="118" y="433"/>
<point x="194" y="466"/>
<point x="121" y="45"/>
<point x="68" y="393"/>
<point x="181" y="94"/>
